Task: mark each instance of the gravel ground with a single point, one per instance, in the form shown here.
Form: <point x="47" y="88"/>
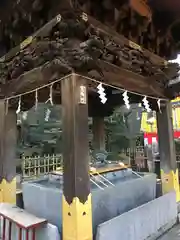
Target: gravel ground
<point x="173" y="234"/>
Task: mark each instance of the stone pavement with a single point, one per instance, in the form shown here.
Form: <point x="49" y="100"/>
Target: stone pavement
<point x="173" y="234"/>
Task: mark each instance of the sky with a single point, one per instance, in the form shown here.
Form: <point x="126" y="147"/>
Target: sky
<point x="177" y="60"/>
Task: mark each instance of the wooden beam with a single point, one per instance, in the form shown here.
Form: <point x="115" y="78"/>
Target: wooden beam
<point x="169" y="170"/>
<point x="77" y="215"/>
<point x="33" y="79"/>
<point x="8" y="140"/>
<point x="141" y="7"/>
<point x="125" y="79"/>
<point x="113" y="75"/>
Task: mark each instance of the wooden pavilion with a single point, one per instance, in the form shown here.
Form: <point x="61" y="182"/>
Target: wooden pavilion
<point x="123" y="44"/>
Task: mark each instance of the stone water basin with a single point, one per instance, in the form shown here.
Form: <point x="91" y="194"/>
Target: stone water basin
<point x="43" y="197"/>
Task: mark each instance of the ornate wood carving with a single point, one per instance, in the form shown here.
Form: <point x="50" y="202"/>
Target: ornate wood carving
<point x="83" y="45"/>
<point x="79" y="43"/>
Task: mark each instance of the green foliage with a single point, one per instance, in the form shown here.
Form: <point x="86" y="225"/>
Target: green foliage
<point x="41" y="136"/>
<point x="123" y="127"/>
<point x="45" y="137"/>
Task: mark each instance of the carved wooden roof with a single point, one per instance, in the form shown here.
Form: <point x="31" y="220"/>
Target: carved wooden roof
<point x="172" y="6"/>
<point x="21" y="18"/>
<point x="95" y="45"/>
<point x="82" y="44"/>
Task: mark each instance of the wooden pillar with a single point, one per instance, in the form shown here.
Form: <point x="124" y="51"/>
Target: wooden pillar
<point x="8" y="141"/>
<point x="98" y="133"/>
<point x="77" y="215"/>
<point x="168" y="165"/>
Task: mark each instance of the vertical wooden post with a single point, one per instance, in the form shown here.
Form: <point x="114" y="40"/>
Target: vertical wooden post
<point x="169" y="171"/>
<point x="8" y="140"/>
<point x="98" y="133"/>
<point x="77" y="215"/>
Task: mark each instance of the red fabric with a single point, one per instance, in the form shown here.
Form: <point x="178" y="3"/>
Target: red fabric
<point x="149" y="136"/>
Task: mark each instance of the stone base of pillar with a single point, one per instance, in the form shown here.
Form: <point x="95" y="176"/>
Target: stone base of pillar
<point x="77" y="219"/>
<point x="8" y="191"/>
<point x="170" y="182"/>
